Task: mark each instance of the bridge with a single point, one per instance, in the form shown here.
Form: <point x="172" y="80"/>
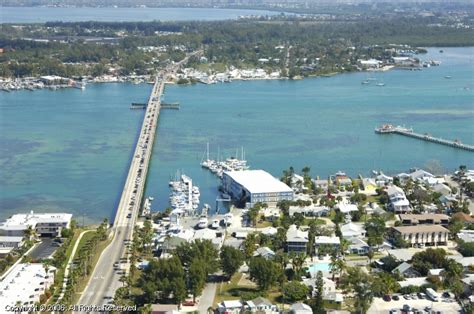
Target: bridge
<point x="105" y="279"/>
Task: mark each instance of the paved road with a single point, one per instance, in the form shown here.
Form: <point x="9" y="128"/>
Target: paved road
<point x="207" y="297"/>
<point x="105" y="279"/>
<point x="44" y="250"/>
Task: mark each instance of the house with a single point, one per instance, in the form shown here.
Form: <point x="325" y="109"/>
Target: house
<point x="347" y="208"/>
<point x="420" y="175"/>
<point x="300" y="308"/>
<point x="269" y="231"/>
<point x="448" y="201"/>
<point x="264" y="252"/>
<point x="406" y="270"/>
<point x="465" y="218"/>
<point x="370" y="186"/>
<point x="422" y="235"/>
<point x="329" y="289"/>
<point x="322" y="184"/>
<point x="261" y="305"/>
<point x="358" y="246"/>
<point x="296" y="240"/>
<point x="207" y="234"/>
<point x="164" y="309"/>
<point x="230" y="307"/>
<point x="383" y="180"/>
<point x="443" y="189"/>
<point x="466" y="235"/>
<point x="398" y="200"/>
<point x="334" y="242"/>
<point x="424" y="219"/>
<point x="340" y="178"/>
<point x="311" y="211"/>
<point x="436" y="273"/>
<point x="352" y="230"/>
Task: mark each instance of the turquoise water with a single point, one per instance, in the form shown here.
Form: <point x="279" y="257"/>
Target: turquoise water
<point x="46" y="14"/>
<point x="324" y="267"/>
<point x="69" y="150"/>
<point x="325" y="123"/>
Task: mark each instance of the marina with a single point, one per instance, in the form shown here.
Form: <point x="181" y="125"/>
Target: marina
<point x="390" y="129"/>
<point x="299" y="116"/>
<point x="184" y="197"/>
<point x="218" y="167"/>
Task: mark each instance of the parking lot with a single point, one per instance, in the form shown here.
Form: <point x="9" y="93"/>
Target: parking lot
<point x="45" y="249"/>
<point x="445" y="306"/>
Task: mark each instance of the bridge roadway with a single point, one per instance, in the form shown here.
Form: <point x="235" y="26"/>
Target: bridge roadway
<point x="105" y="279"/>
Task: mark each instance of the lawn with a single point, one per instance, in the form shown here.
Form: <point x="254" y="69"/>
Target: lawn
<point x="233" y="291"/>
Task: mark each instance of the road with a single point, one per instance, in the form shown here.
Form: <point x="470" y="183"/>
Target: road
<point x="105" y="279"/>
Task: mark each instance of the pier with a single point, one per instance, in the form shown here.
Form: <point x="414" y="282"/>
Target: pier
<point x="390" y="129"/>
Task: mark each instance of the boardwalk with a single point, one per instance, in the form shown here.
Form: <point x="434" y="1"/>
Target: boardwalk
<point x="390" y="129"/>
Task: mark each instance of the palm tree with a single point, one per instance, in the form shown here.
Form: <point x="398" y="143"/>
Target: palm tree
<point x="297" y="263"/>
<point x="30" y="233"/>
<point x="46" y="265"/>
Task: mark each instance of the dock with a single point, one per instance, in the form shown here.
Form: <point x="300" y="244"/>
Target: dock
<point x="390" y="129"/>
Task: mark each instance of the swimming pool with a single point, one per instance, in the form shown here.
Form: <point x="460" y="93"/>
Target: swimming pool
<point x="324" y="267"/>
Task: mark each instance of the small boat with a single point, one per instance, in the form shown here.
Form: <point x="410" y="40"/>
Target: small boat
<point x="365" y="82"/>
<point x="441" y="51"/>
<point x="380" y="84"/>
<point x="202" y="223"/>
<point x="215" y="224"/>
<point x="448" y="77"/>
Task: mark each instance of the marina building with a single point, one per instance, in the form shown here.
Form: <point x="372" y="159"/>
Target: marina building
<point x="252" y="186"/>
<point x="47" y="225"/>
<point x="25" y="283"/>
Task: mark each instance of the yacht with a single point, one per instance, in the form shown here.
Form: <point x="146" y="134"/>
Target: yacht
<point x="380" y="84"/>
<point x="202" y="223"/>
<point x="215" y="224"/>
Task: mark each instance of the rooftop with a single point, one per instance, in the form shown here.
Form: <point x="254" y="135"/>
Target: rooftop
<point x="421" y="229"/>
<point x="258" y="181"/>
<point x="415" y="218"/>
<point x="22" y="221"/>
<point x="295" y="235"/>
<point x="21" y="283"/>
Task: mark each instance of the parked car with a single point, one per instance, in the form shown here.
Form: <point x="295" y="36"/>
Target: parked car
<point x="395" y="297"/>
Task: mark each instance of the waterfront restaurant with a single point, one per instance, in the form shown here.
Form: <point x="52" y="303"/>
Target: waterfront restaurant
<point x="249" y="187"/>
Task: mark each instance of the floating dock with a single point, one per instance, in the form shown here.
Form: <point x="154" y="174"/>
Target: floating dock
<point x="390" y="129"/>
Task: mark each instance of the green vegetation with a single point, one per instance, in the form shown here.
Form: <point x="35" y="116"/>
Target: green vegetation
<point x="313" y="47"/>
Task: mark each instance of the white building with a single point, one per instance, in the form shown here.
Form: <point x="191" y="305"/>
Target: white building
<point x="48" y="224"/>
<point x="398" y="200"/>
<point x="8" y="243"/>
<point x="352" y="230"/>
<point x="25" y="283"/>
<point x="296" y="239"/>
<point x="253" y="186"/>
<point x="347" y="208"/>
<point x="325" y="240"/>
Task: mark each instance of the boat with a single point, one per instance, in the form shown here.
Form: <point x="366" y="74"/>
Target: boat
<point x="228" y="219"/>
<point x="365" y="82"/>
<point x="202" y="223"/>
<point x="448" y="77"/>
<point x="380" y="84"/>
<point x="215" y="224"/>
